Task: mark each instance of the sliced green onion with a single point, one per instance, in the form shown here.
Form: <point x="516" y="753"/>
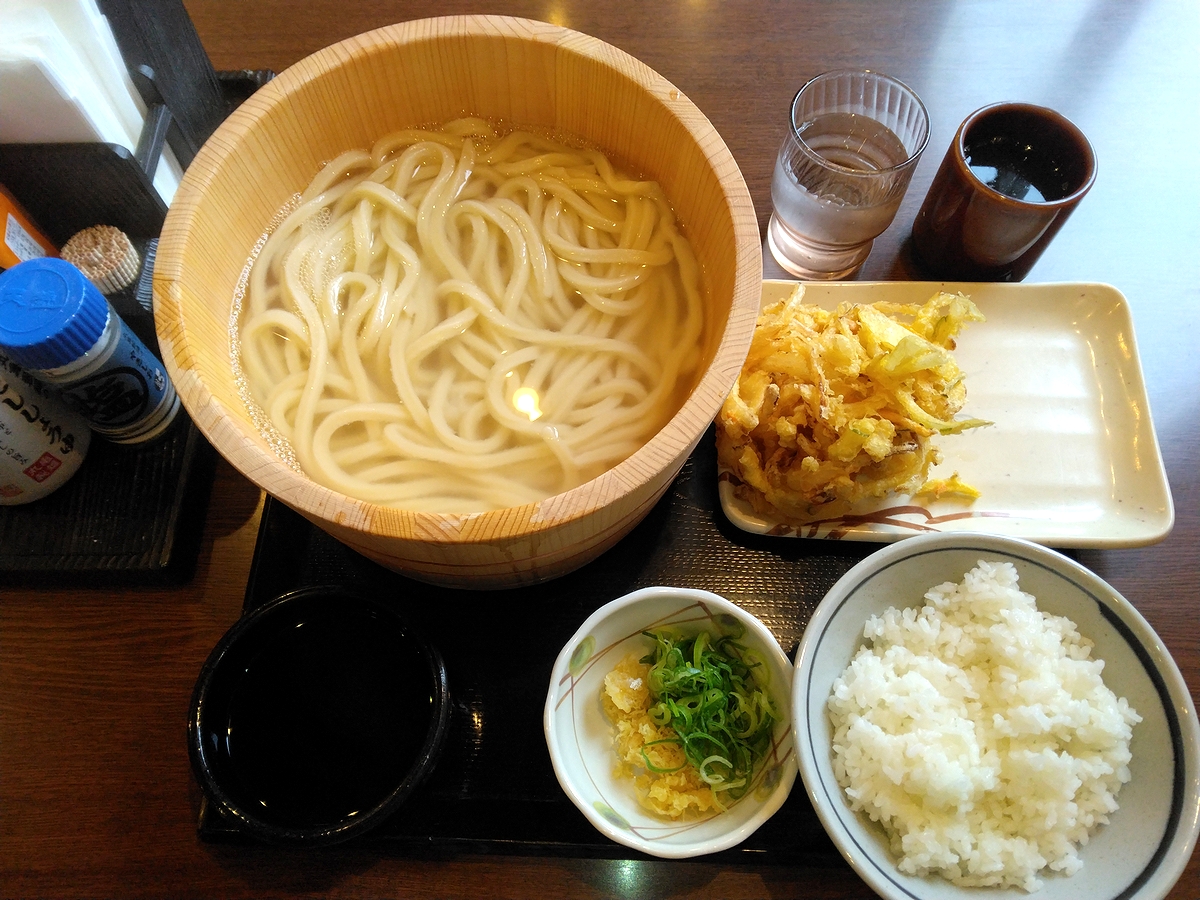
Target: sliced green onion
<point x="660" y="770"/>
<point x="712" y="692"/>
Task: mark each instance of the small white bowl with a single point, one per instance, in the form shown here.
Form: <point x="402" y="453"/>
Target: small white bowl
<point x="580" y="737"/>
<point x="1146" y="846"/>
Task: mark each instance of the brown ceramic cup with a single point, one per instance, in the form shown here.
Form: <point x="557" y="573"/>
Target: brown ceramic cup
<point x="1011" y="177"/>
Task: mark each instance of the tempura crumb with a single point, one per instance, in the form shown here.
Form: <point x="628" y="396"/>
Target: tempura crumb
<point x="937" y="488"/>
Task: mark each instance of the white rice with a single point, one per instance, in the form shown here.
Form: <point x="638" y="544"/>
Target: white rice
<point x="978" y="732"/>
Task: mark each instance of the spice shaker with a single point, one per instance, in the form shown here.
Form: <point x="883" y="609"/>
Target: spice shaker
<point x="42" y="443"/>
<point x="58" y="324"/>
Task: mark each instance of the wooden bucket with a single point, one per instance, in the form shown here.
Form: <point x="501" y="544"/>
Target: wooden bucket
<point x="430" y="71"/>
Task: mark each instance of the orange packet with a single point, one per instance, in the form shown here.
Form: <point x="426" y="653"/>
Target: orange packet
<point x="20" y="239"/>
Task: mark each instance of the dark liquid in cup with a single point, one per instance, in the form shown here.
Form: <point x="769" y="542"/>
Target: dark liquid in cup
<point x="327" y="718"/>
<point x="1019" y="169"/>
<point x="1013" y="175"/>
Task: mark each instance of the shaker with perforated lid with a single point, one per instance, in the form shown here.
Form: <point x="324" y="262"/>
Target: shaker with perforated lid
<point x="56" y="323"/>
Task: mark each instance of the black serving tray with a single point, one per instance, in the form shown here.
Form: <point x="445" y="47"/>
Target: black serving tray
<point x="494" y="790"/>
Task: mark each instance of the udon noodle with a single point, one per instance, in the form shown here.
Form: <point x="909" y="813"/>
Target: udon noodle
<point x="462" y="320"/>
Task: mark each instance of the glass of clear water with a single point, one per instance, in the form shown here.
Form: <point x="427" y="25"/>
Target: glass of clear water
<point x="854" y="141"/>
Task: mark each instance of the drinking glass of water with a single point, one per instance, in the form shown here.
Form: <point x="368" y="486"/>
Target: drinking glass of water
<point x="854" y="141"/>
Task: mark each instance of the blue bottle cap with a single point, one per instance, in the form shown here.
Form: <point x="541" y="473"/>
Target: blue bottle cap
<point x="50" y="314"/>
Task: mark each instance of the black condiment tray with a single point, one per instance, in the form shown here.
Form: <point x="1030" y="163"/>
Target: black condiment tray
<point x="132" y="514"/>
<point x="494" y="790"/>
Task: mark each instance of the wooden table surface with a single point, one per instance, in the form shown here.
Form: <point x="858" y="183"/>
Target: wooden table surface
<point x="96" y="796"/>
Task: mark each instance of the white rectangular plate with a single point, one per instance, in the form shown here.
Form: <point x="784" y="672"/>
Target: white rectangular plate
<point x="1072" y="459"/>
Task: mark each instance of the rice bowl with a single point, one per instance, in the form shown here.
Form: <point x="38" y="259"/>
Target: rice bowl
<point x="978" y="730"/>
<point x="1145" y="847"/>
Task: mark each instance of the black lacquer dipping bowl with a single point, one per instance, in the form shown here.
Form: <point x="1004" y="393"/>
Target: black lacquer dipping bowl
<point x="316" y="716"/>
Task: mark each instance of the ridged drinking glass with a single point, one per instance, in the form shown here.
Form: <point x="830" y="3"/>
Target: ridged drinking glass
<point x="854" y="140"/>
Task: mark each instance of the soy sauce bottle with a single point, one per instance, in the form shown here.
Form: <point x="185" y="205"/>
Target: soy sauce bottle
<point x="56" y="323"/>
